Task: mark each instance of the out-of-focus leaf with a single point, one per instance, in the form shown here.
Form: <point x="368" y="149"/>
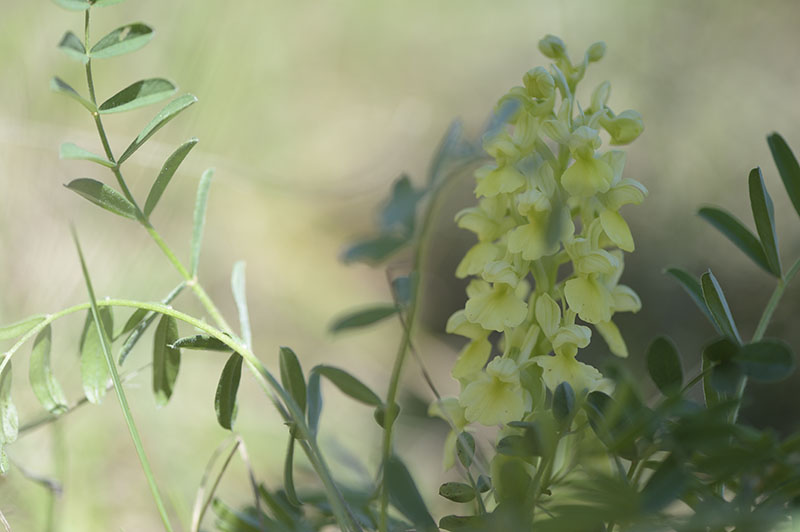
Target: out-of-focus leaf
<point x="94" y="368"/>
<point x="403" y="288"/>
<point x="72" y="46"/>
<point x="103" y="196"/>
<point x="106" y="3"/>
<point x="71" y="151"/>
<point x="404" y="495"/>
<point x="139" y="94"/>
<point x="200" y="218"/>
<point x="240" y="297"/>
<point x="453" y="147"/>
<point x="200" y="341"/>
<point x="123" y="40"/>
<point x="710" y="395"/>
<point x="364" y="317"/>
<point x="61" y="86"/>
<point x="73" y="5"/>
<point x="227" y="388"/>
<point x="667" y="484"/>
<point x="292" y="377"/>
<point x="349" y="385"/>
<point x="563" y="402"/>
<point x="140" y="321"/>
<point x="664" y="365"/>
<point x="695" y="291"/>
<point x="721" y="350"/>
<point x="400" y="211"/>
<point x="457" y="491"/>
<point x="465" y="523"/>
<point x="465" y="448"/>
<point x="764" y="216"/>
<point x="43" y="382"/>
<point x="737" y="233"/>
<point x="170" y="111"/>
<point x="725" y="378"/>
<point x="314" y="401"/>
<point x="718" y="305"/>
<point x="165" y="175"/>
<point x="766" y="360"/>
<point x="166" y="359"/>
<point x="787" y="167"/>
<point x="375" y="250"/>
<point x="230" y="521"/>
<point x="9" y="419"/>
<point x="21" y="327"/>
<point x="288" y="474"/>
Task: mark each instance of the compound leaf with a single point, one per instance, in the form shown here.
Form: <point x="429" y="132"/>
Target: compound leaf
<point x="737" y="233"/>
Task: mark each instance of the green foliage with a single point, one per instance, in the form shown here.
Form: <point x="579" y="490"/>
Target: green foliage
<point x="225" y="399"/>
<point x="166" y="359"/>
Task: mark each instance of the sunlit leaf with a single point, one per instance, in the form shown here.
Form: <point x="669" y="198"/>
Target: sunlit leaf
<point x="766" y="360"/>
<point x="764" y="216"/>
<point x="349" y="385"/>
<point x="71" y="151"/>
<point x="139" y="322"/>
<point x="200" y="341"/>
<point x="61" y="86"/>
<point x="21" y="327"/>
<point x="139" y="94"/>
<point x="240" y="297"/>
<point x="166" y="359"/>
<point x="737" y="233"/>
<point x="72" y="46"/>
<point x="200" y="218"/>
<point x="170" y="111"/>
<point x="718" y="306"/>
<point x="94" y="368"/>
<point x="695" y="291"/>
<point x="103" y="196"/>
<point x="9" y="419"/>
<point x="364" y="317"/>
<point x="43" y="382"/>
<point x="664" y="365"/>
<point x="404" y="495"/>
<point x="123" y="40"/>
<point x="457" y="491"/>
<point x="788" y="168"/>
<point x="74" y="5"/>
<point x="375" y="250"/>
<point x="292" y="377"/>
<point x="227" y="388"/>
<point x="165" y="175"/>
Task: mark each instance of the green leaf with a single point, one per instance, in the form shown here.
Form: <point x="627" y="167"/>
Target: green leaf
<point x="400" y="211"/>
<point x="292" y="377"/>
<point x="170" y="111"/>
<point x="718" y="306"/>
<point x="563" y="402"/>
<point x="61" y="86"/>
<point x="73" y="5"/>
<point x="457" y="491"/>
<point x="9" y="419"/>
<point x="71" y="151"/>
<point x="139" y="94"/>
<point x="516" y="445"/>
<point x="787" y="167"/>
<point x="94" y="368"/>
<point x="227" y="388"/>
<point x="464" y="523"/>
<point x="165" y="175"/>
<point x="5" y="465"/>
<point x="721" y="350"/>
<point x="764" y="216"/>
<point x="692" y="287"/>
<point x="737" y="233"/>
<point x="200" y="218"/>
<point x="106" y="3"/>
<point x="21" y="327"/>
<point x="667" y="484"/>
<point x="404" y="495"/>
<point x="43" y="382"/>
<point x="710" y="395"/>
<point x="123" y="40"/>
<point x="166" y="359"/>
<point x="451" y="147"/>
<point x="240" y="297"/>
<point x="103" y="196"/>
<point x="465" y="448"/>
<point x="314" y="401"/>
<point x="726" y="377"/>
<point x="200" y="341"/>
<point x="766" y="360"/>
<point x="375" y="250"/>
<point x="403" y="288"/>
<point x="139" y="322"/>
<point x="72" y="46"/>
<point x="364" y="317"/>
<point x="664" y="365"/>
<point x="288" y="474"/>
<point x="349" y="385"/>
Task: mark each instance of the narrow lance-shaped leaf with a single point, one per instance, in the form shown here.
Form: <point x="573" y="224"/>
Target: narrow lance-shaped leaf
<point x="21" y="327"/>
<point x="737" y="233"/>
<point x="139" y="94"/>
<point x="72" y="46"/>
<point x="62" y="87"/>
<point x="128" y="38"/>
<point x="94" y="368"/>
<point x="200" y="341"/>
<point x="349" y="385"/>
<point x="71" y="151"/>
<point x="695" y="291"/>
<point x="288" y="474"/>
<point x="375" y="250"/>
<point x="240" y="297"/>
<point x="227" y="388"/>
<point x="106" y="3"/>
<point x="103" y="196"/>
<point x="314" y="401"/>
<point x="199" y="222"/>
<point x="664" y="365"/>
<point x="764" y="216"/>
<point x="364" y="317"/>
<point x="9" y="419"/>
<point x="73" y="5"/>
<point x="140" y="321"/>
<point x="563" y="401"/>
<point x="710" y="394"/>
<point x="718" y="305"/>
<point x="292" y="377"/>
<point x="404" y="495"/>
<point x="170" y="111"/>
<point x="43" y="382"/>
<point x="165" y="175"/>
<point x="166" y="359"/>
<point x="788" y="168"/>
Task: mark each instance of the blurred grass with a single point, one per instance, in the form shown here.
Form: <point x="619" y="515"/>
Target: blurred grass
<point x="308" y="110"/>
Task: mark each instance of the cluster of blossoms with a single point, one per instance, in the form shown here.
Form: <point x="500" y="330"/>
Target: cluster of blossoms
<point x="549" y="199"/>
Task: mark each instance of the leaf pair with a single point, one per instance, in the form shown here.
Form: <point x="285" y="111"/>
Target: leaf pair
<point x="710" y="299"/>
<point x="728" y="363"/>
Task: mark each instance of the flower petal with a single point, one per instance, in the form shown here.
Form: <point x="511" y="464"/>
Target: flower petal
<point x="589" y="298"/>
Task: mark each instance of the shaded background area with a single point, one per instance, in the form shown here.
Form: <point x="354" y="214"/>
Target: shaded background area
<point x="308" y="111"/>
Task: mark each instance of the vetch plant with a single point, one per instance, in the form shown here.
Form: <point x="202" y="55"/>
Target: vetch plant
<point x="563" y="447"/>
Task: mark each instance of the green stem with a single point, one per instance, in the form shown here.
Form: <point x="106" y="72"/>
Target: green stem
<point x="772" y="304"/>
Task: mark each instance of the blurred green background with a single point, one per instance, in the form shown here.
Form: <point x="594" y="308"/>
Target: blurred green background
<point x="308" y="110"/>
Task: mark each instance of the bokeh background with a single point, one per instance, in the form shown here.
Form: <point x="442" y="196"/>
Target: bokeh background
<point x="308" y="111"/>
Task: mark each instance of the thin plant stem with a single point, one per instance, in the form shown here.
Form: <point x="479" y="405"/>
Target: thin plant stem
<point x="202" y="502"/>
<point x="5" y="524"/>
<point x="774" y="299"/>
